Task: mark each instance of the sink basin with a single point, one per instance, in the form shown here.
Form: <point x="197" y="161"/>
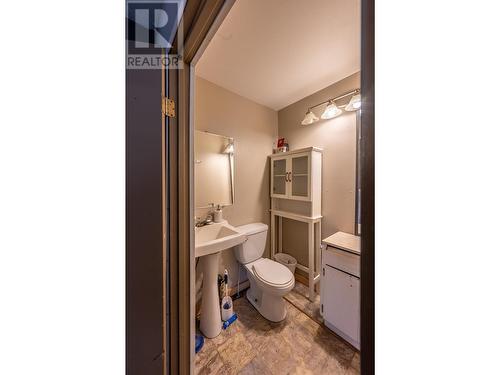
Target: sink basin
<point x="211" y="239"/>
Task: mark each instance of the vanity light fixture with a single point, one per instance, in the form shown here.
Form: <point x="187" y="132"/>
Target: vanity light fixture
<point x="332" y="110"/>
<point x="354" y="103"/>
<point x="309" y="118"/>
<point x="229" y="148"/>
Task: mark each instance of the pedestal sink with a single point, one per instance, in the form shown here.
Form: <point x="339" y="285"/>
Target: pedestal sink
<point x="209" y="241"/>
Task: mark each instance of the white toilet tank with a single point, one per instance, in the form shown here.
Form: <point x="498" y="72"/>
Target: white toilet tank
<point x="254" y="247"/>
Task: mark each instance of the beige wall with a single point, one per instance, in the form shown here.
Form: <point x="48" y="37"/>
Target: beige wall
<point x="337" y="137"/>
<point x="254" y="128"/>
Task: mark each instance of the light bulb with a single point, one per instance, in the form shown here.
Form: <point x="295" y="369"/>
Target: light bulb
<point x="229" y="149"/>
<point x="354" y="103"/>
<point x="309" y="118"/>
<point x="331" y="111"/>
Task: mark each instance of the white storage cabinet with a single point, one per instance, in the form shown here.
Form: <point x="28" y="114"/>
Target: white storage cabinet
<point x="296" y="195"/>
<point x="340" y="282"/>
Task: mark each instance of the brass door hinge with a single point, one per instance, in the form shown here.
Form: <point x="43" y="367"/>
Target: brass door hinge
<point x="168" y="107"/>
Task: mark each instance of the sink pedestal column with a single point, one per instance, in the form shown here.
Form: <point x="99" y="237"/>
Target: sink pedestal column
<point x="210" y="320"/>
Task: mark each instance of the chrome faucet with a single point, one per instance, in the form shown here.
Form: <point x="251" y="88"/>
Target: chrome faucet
<point x="199" y="222"/>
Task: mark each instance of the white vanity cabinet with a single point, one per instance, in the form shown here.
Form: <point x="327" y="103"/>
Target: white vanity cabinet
<point x="340" y="283"/>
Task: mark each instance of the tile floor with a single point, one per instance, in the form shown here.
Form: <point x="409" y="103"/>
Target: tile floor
<point x="299" y="297"/>
<point x="253" y="345"/>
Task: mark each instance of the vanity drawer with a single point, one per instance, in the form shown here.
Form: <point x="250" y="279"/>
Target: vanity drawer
<point x="342" y="260"/>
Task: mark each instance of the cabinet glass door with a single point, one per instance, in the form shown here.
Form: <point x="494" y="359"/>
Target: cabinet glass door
<point x="279" y="177"/>
<point x="300" y="176"/>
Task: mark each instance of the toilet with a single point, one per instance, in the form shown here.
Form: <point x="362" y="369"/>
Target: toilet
<point x="269" y="280"/>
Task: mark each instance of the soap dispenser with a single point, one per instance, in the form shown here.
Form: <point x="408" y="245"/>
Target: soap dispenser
<point x="218" y="214"/>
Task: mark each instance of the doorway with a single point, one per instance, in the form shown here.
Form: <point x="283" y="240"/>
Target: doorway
<point x="192" y="84"/>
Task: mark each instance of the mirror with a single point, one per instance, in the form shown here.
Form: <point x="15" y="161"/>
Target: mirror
<point x="213" y="169"/>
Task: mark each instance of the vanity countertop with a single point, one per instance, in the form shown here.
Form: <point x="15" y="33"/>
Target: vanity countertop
<point x="344" y="241"/>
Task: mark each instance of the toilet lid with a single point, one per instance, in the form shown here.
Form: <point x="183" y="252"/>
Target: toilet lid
<point x="272" y="272"/>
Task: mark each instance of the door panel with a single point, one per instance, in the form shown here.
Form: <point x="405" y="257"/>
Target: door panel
<point x="300" y="176"/>
<point x="144" y="230"/>
<point x="341" y="305"/>
<point x="279" y="178"/>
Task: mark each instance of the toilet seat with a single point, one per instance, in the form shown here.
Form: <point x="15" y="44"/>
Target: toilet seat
<point x="271" y="273"/>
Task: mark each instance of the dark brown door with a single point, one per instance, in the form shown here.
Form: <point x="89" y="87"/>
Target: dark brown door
<point x="144" y="232"/>
<point x="146" y="186"/>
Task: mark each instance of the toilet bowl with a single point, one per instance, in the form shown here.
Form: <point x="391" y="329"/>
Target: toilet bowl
<point x="270" y="281"/>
